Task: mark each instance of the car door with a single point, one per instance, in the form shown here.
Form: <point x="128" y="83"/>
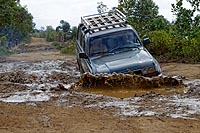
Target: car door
<point x="85" y="62"/>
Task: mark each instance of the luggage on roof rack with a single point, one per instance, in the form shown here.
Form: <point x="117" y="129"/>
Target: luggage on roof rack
<point x="107" y="20"/>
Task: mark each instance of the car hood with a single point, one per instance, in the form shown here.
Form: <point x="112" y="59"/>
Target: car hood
<point x="121" y="62"/>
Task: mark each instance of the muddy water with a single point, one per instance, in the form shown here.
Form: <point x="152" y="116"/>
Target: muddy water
<point x="128" y="92"/>
<point x="48" y="75"/>
<point x="46" y="80"/>
<point x="35" y="81"/>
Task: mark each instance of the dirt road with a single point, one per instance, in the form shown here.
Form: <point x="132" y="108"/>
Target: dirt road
<point x="35" y="97"/>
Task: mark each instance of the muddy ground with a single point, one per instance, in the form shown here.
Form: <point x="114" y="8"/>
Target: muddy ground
<point x="36" y="96"/>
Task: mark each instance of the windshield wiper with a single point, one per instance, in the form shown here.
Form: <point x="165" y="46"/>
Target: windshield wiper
<point x="129" y="47"/>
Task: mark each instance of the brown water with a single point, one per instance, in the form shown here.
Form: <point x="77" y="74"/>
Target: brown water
<point x="128" y="92"/>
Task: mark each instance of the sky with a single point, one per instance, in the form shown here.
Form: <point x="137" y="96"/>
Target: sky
<point x="50" y="12"/>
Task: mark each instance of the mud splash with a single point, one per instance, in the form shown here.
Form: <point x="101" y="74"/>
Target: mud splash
<point x="127" y="85"/>
<point x="126" y="81"/>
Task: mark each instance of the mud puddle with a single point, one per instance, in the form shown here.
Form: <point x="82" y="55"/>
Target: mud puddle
<point x="57" y="80"/>
<point x="126" y="93"/>
<point x="148" y="104"/>
<point x="35" y="81"/>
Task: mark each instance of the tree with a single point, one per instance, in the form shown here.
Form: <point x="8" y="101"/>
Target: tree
<point x="64" y="26"/>
<point x="15" y="21"/>
<point x="51" y="34"/>
<point x="63" y="30"/>
<point x="187" y="28"/>
<point x="101" y="8"/>
<point x="74" y="31"/>
<point x="159" y="23"/>
<point x="141" y="13"/>
<point x="186" y="23"/>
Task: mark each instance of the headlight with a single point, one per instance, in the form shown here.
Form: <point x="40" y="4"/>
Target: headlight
<point x="148" y="70"/>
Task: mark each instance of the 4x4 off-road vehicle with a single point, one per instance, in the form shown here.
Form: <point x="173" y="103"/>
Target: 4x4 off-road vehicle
<point x="106" y="43"/>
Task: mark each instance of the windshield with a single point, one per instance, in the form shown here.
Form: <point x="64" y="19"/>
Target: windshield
<point x="113" y="42"/>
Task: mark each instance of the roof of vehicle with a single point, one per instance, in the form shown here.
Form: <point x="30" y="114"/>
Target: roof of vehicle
<point x="103" y="21"/>
<point x="116" y="29"/>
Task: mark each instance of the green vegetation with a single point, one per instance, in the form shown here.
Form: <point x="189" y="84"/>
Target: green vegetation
<point x="70" y="48"/>
<point x="67" y="47"/>
<point x="101" y="7"/>
<point x="15" y="25"/>
<point x="178" y="39"/>
<point x="63" y="37"/>
<point x="4" y="51"/>
<point x="15" y="21"/>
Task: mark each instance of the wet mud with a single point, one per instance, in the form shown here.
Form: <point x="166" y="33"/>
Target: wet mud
<point x="130" y="81"/>
<point x="31" y="80"/>
<point x="127" y="95"/>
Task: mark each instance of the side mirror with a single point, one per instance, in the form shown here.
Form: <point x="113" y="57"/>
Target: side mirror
<point x="83" y="55"/>
<point x="146" y="41"/>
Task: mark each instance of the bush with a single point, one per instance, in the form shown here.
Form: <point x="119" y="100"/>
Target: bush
<point x="70" y="48"/>
<point x="192" y="50"/>
<point x="4" y="51"/>
<point x="168" y="47"/>
<point x="3" y="40"/>
<point x="51" y="36"/>
<point x="161" y="42"/>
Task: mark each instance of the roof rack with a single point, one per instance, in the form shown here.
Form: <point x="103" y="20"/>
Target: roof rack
<point x="102" y="21"/>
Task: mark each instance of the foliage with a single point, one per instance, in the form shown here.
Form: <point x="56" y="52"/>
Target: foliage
<point x="70" y="49"/>
<point x="161" y="42"/>
<point x="50" y="34"/>
<point x="159" y="23"/>
<point x="192" y="49"/>
<point x="187" y="28"/>
<point x="67" y="47"/>
<point x="41" y="33"/>
<point x="64" y="26"/>
<point x="141" y="14"/>
<point x="73" y="32"/>
<point x="62" y="33"/>
<point x="179" y="39"/>
<point x="15" y="21"/>
<point x="101" y="8"/>
<point x="3" y="41"/>
<point x="4" y="50"/>
<point x="186" y="21"/>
